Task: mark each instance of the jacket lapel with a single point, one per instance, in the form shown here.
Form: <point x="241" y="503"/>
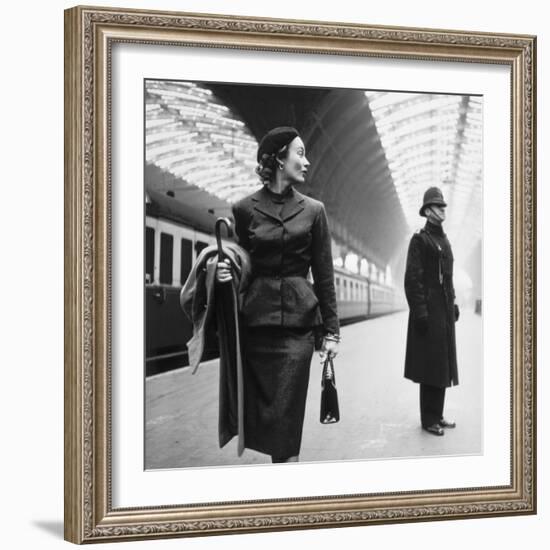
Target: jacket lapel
<point x="263" y="204"/>
<point x="293" y="206"/>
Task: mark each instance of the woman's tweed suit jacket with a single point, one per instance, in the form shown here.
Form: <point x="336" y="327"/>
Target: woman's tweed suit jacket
<point x="284" y="242"/>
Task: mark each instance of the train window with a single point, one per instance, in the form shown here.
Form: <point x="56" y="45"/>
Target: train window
<point x="166" y="258"/>
<point x="186" y="259"/>
<point x="149" y="254"/>
<point x="199" y="246"/>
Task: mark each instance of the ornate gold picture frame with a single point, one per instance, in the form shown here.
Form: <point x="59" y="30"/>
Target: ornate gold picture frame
<point x="91" y="36"/>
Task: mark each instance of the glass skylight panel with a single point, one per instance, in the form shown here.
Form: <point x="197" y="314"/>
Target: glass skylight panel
<point x="191" y="134"/>
<point x="432" y="140"/>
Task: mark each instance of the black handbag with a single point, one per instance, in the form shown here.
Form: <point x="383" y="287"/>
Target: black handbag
<point x="330" y="412"/>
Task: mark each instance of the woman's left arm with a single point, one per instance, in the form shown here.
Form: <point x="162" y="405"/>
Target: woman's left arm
<point x="323" y="272"/>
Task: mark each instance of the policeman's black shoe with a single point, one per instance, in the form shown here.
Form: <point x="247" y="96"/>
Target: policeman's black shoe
<point x="434" y="429"/>
<point x="447" y="423"/>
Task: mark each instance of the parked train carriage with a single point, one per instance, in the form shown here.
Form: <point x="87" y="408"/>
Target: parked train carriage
<point x="360" y="298"/>
<point x="174" y="237"/>
<point x="352" y="295"/>
<point x="382" y="300"/>
<point x="171" y="251"/>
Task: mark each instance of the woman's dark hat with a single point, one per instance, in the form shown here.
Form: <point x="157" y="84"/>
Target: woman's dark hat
<point x="275" y="140"/>
<point x="433" y="195"/>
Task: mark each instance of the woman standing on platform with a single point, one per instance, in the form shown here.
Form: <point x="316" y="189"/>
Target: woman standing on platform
<point x="286" y="233"/>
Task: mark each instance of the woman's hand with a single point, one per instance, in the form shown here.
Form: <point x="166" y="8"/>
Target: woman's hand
<point x="223" y="272"/>
<point x="330" y="347"/>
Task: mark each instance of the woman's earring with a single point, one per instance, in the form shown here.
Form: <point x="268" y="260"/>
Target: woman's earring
<point x="280" y="166"/>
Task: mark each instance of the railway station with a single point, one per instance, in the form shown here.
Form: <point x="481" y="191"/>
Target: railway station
<point x="373" y="154"/>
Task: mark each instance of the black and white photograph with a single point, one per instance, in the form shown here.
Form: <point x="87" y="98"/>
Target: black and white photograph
<point x="312" y="274"/>
<point x="300" y="274"/>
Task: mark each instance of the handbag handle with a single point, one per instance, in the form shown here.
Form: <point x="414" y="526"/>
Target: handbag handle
<point x="328" y="369"/>
<point x="330" y="411"/>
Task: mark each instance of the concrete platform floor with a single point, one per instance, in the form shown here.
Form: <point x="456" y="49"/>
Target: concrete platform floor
<point x="379" y="408"/>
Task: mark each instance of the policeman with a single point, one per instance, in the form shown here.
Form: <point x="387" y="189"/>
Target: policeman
<point x="431" y="346"/>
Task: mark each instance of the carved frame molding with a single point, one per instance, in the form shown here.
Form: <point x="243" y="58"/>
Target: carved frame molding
<point x="89" y="35"/>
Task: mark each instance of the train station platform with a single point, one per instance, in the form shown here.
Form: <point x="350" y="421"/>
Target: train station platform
<point x="379" y="408"/>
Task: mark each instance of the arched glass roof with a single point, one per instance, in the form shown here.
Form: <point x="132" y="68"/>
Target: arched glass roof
<point x="194" y="137"/>
<point x="373" y="154"/>
<point x="434" y="140"/>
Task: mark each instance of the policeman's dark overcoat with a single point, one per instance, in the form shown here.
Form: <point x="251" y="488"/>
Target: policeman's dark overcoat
<point x="431" y="355"/>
